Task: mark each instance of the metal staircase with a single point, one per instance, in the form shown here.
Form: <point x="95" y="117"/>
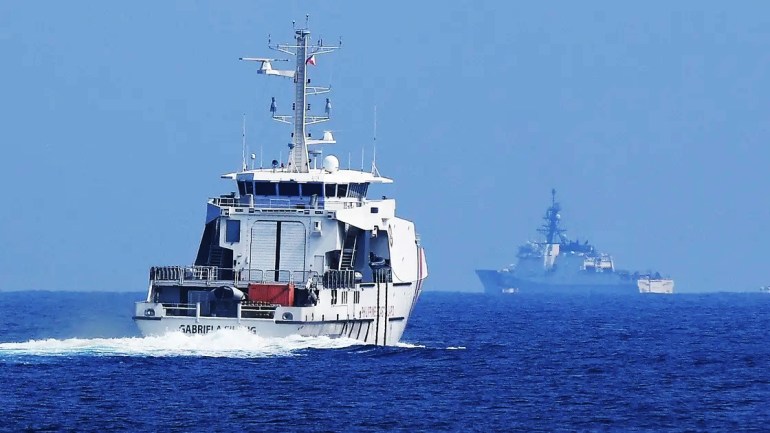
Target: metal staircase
<point x="349" y="249"/>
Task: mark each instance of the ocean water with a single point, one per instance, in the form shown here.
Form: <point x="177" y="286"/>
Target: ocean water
<point x="468" y="362"/>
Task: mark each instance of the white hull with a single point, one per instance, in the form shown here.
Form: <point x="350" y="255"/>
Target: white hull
<point x="366" y="321"/>
<point x="365" y="331"/>
<point x="299" y="249"/>
<point x="663" y="286"/>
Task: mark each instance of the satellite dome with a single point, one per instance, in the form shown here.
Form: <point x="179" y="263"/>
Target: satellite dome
<point x="331" y="164"/>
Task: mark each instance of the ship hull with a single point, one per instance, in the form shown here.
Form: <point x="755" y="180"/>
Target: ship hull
<point x="370" y="322"/>
<point x="502" y="282"/>
<point x="664" y="286"/>
<point x="563" y="266"/>
<point x="363" y="330"/>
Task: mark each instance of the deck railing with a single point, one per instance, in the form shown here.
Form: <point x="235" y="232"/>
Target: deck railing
<point x="341" y="279"/>
<point x="210" y="275"/>
<point x="254" y="310"/>
<point x="176" y="309"/>
<point x="267" y="202"/>
<point x="183" y="273"/>
<point x="382" y="275"/>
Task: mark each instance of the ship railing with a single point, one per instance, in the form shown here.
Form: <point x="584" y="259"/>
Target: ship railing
<point x="341" y="279"/>
<point x="302" y="277"/>
<point x="382" y="275"/>
<point x="277" y="276"/>
<point x="177" y="309"/>
<point x="266" y="202"/>
<point x="212" y="275"/>
<point x="225" y="201"/>
<point x="246" y="309"/>
<point x="266" y="275"/>
<point x="184" y="273"/>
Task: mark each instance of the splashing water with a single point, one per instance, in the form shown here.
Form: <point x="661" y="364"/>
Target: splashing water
<point x="406" y="345"/>
<point x="222" y="343"/>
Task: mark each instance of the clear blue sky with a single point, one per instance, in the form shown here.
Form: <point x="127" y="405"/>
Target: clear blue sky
<point x="651" y="120"/>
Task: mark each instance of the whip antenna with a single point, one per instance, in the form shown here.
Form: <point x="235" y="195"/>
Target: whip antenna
<point x="243" y="144"/>
<point x="375" y="172"/>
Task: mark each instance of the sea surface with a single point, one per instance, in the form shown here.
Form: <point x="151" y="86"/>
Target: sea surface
<point x="468" y="362"/>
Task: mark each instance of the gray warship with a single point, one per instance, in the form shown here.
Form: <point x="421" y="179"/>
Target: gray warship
<point x="560" y="265"/>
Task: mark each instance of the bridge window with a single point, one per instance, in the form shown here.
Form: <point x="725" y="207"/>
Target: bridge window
<point x="309" y="189"/>
<point x="249" y="187"/>
<point x="288" y="189"/>
<point x="331" y="190"/>
<point x="241" y="188"/>
<point x="342" y="190"/>
<point x="358" y="190"/>
<point x="264" y="188"/>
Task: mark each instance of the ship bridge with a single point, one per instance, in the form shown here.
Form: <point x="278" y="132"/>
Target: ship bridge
<point x="317" y="188"/>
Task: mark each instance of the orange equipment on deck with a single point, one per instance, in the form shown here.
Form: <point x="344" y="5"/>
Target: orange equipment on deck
<point x="282" y="294"/>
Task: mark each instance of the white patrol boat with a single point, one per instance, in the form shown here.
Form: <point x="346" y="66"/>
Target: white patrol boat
<point x="300" y="249"/>
<point x="649" y="284"/>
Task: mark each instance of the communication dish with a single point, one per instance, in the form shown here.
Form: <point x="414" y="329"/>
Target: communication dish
<point x="331" y="164"/>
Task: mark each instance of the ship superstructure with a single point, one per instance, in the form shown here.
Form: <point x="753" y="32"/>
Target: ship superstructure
<point x="558" y="264"/>
<point x="300" y="248"/>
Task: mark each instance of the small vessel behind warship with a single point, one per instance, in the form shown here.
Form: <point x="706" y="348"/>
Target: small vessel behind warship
<point x="299" y="249"/>
<point x="560" y="265"/>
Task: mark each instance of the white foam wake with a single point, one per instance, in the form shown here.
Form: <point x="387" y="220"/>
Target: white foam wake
<point x="222" y="343"/>
<point x="406" y="345"/>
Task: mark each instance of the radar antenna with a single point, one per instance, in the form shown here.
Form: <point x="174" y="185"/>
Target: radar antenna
<point x="551" y="229"/>
<point x="305" y="54"/>
<point x="243" y="137"/>
<point x="375" y="172"/>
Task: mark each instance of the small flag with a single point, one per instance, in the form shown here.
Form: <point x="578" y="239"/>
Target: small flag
<point x="310" y="60"/>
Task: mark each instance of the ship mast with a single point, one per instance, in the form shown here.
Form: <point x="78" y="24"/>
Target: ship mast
<point x="305" y="53"/>
<point x="551" y="230"/>
<point x="553" y="234"/>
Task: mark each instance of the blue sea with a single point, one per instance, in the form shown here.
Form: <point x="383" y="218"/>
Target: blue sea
<point x="468" y="362"/>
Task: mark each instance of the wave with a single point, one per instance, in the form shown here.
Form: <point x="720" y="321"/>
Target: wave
<point x="406" y="345"/>
<point x="222" y="343"/>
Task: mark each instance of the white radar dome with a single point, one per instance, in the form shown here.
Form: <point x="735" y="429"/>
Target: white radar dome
<point x="331" y="164"/>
